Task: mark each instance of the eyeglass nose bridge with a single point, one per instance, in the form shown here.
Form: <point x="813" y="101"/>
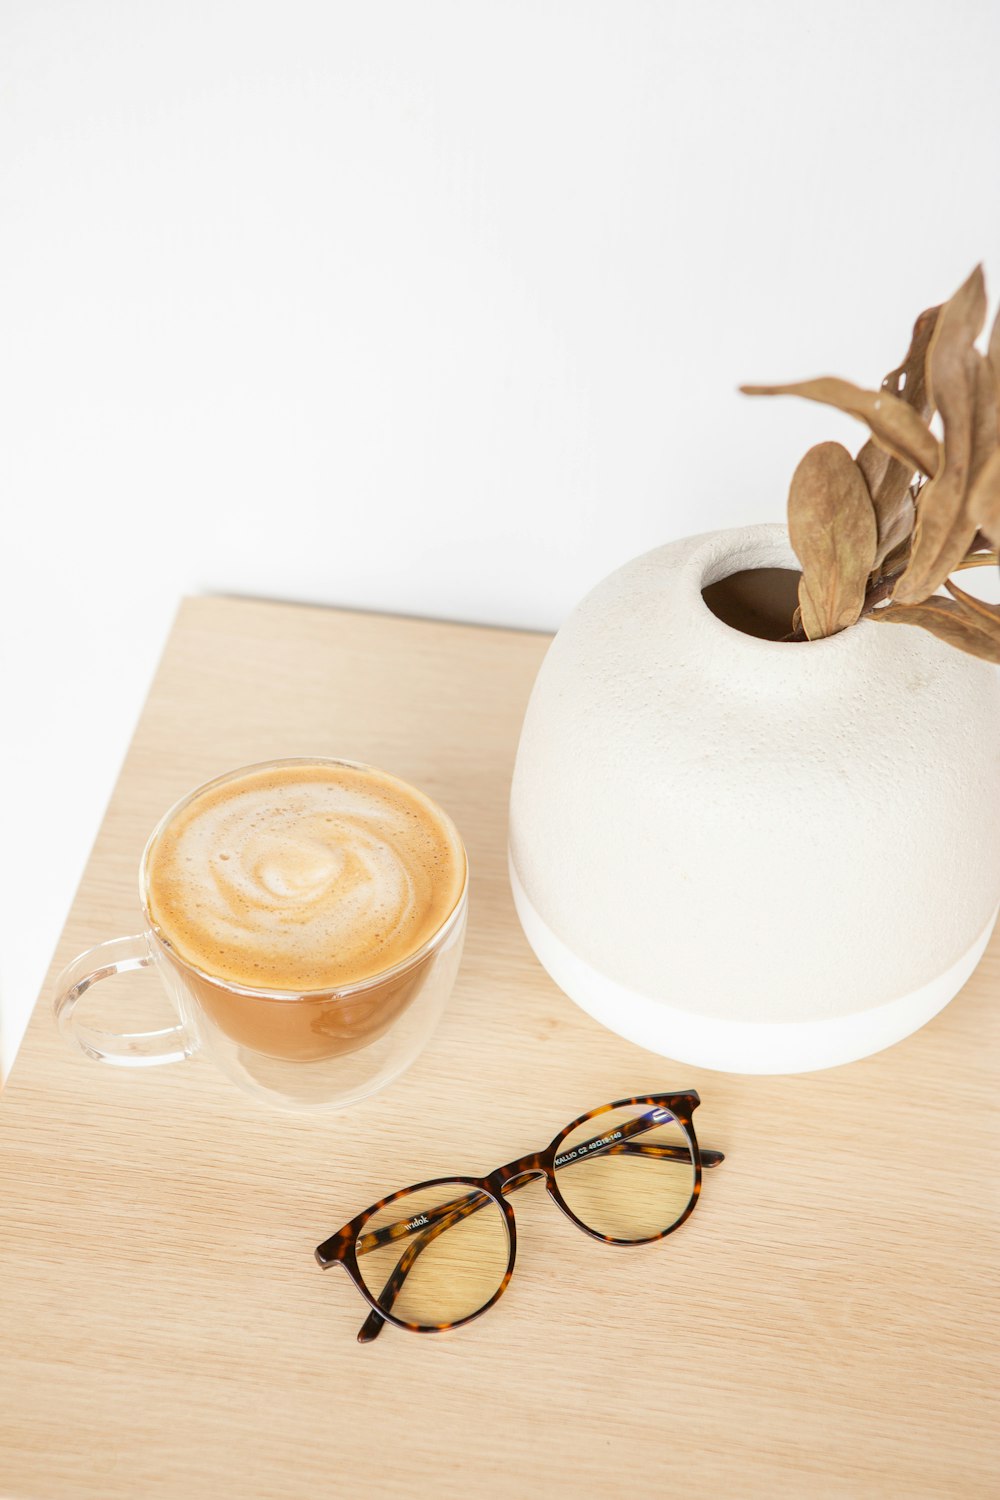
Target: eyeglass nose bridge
<point x="517" y="1173"/>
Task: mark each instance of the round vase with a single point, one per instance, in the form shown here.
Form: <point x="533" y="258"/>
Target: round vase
<point x="747" y="854"/>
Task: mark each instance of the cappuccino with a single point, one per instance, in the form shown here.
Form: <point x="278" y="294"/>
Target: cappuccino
<point x="303" y="876"/>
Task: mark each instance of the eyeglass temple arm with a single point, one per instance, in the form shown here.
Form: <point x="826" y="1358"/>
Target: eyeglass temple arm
<point x="376" y="1238"/>
<point x="650" y="1121"/>
<point x="451" y="1214"/>
<point x="658" y="1150"/>
<point x="447" y="1214"/>
<point x="661" y="1151"/>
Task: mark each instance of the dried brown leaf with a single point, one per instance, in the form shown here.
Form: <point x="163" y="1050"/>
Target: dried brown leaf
<point x="889" y="486"/>
<point x="894" y="425"/>
<point x="888" y="479"/>
<point x="897" y="559"/>
<point x="950" y="621"/>
<point x="959" y="324"/>
<point x="832" y="527"/>
<point x="984" y="499"/>
<point x="909" y="380"/>
<point x="944" y="531"/>
<point x="985" y="417"/>
<point x="978" y="559"/>
<point x="993" y="355"/>
<point x="941" y="537"/>
<point x="972" y="605"/>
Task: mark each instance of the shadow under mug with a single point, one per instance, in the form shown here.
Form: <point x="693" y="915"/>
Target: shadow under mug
<point x="317" y="1049"/>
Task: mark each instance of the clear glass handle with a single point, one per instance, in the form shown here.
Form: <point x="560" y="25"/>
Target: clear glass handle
<point x="140" y="1049"/>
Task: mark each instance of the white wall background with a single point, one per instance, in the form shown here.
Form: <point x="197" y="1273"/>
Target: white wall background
<point x="431" y="307"/>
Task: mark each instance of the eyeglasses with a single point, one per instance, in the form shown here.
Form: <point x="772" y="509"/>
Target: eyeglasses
<point x="438" y="1254"/>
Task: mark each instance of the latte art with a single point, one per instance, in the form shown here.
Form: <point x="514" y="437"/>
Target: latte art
<point x="303" y="876"/>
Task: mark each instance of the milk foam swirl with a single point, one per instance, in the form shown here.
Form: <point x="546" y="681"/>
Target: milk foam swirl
<point x="303" y="875"/>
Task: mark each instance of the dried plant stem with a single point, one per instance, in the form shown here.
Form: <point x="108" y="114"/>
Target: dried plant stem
<point x="880" y="535"/>
<point x="881" y="588"/>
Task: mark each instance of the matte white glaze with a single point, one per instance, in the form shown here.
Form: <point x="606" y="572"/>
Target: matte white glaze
<point x="750" y="832"/>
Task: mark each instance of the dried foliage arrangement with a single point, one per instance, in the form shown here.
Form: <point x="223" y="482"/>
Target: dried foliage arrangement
<point x="879" y="534"/>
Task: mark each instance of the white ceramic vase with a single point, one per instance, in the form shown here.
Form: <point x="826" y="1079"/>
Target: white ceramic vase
<point x="746" y="854"/>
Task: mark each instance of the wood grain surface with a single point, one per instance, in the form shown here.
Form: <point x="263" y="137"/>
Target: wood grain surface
<point x="826" y="1324"/>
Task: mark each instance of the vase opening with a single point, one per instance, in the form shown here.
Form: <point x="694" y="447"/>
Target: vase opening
<point x="756" y="601"/>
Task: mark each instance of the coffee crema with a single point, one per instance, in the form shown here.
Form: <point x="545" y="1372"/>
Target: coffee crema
<point x="307" y="875"/>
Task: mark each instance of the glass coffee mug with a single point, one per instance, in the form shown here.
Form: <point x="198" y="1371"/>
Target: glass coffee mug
<point x="345" y="888"/>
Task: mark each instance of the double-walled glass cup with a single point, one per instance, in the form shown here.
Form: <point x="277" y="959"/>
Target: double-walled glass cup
<point x="313" y="1049"/>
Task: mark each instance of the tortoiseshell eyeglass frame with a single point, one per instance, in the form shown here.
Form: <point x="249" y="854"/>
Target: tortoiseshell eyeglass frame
<point x="344" y="1247"/>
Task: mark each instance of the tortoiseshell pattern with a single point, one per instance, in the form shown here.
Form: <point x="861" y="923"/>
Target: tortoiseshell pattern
<point x="344" y="1247"/>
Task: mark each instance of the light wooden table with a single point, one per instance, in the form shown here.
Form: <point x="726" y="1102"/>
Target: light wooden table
<point x="826" y="1324"/>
